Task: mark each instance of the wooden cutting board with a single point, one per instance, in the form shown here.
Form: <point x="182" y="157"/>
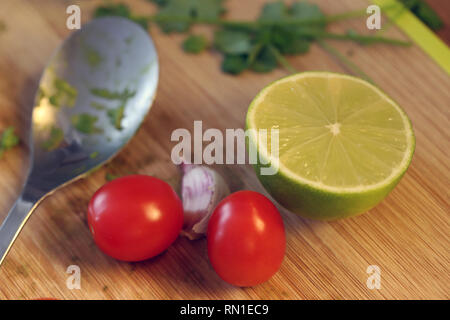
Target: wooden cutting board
<point x="407" y="235"/>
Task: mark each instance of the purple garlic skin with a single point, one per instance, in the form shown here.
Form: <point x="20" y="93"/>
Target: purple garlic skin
<point x="202" y="189"/>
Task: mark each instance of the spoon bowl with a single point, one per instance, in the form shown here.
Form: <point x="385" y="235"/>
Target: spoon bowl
<point x="93" y="96"/>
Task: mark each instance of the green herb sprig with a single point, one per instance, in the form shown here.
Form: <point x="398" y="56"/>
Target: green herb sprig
<point x="8" y="140"/>
<point x="260" y="45"/>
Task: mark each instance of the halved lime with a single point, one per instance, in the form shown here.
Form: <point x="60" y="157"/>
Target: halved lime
<point x="343" y="143"/>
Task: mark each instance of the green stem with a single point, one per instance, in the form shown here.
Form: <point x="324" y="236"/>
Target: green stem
<point x="305" y="32"/>
<point x="347" y="62"/>
<point x="259" y="23"/>
<point x="282" y="60"/>
<point x="254" y="53"/>
<point x="353" y="37"/>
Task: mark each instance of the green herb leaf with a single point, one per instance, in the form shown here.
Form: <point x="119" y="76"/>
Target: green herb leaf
<point x="234" y="64"/>
<point x="111" y="9"/>
<point x="274" y="11"/>
<point x="85" y="123"/>
<point x="63" y="94"/>
<point x="305" y="10"/>
<point x="54" y="140"/>
<point x="188" y="9"/>
<point x="112" y="95"/>
<point x="110" y="177"/>
<point x="195" y="44"/>
<point x="232" y="42"/>
<point x="92" y="56"/>
<point x="64" y="86"/>
<point x="116" y="116"/>
<point x="97" y="106"/>
<point x="160" y="3"/>
<point x="265" y="61"/>
<point x="287" y="39"/>
<point x="94" y="155"/>
<point x="260" y="45"/>
<point x="8" y="140"/>
<point x="289" y="42"/>
<point x="120" y="10"/>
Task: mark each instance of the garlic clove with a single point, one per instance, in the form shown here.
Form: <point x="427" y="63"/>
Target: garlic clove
<point x="202" y="188"/>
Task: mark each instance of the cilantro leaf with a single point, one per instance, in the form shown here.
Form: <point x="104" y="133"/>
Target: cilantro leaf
<point x="207" y="9"/>
<point x="305" y="10"/>
<point x="120" y="10"/>
<point x="195" y="43"/>
<point x="260" y="45"/>
<point x="232" y="42"/>
<point x="186" y="10"/>
<point x="94" y="155"/>
<point x="286" y="39"/>
<point x="289" y="42"/>
<point x="69" y="91"/>
<point x="116" y="116"/>
<point x="258" y="49"/>
<point x="54" y="140"/>
<point x="179" y="9"/>
<point x="8" y="140"/>
<point x="265" y="61"/>
<point x="85" y="123"/>
<point x="64" y="94"/>
<point x="97" y="106"/>
<point x="160" y="3"/>
<point x="234" y="64"/>
<point x="110" y="176"/>
<point x="112" y="95"/>
<point x="274" y="11"/>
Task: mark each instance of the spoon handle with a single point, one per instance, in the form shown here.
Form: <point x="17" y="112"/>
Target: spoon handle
<point x="16" y="219"/>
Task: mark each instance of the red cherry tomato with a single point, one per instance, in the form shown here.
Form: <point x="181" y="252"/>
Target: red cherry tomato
<point x="135" y="218"/>
<point x="246" y="239"/>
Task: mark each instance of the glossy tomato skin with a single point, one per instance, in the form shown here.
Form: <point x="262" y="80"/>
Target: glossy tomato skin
<point x="246" y="239"/>
<point x="135" y="218"/>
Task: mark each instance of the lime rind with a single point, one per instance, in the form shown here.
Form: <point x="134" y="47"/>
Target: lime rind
<point x="317" y="200"/>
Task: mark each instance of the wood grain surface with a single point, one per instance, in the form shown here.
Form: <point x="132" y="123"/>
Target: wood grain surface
<point x="407" y="235"/>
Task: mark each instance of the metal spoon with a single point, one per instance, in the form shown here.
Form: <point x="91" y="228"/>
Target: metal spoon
<point x="93" y="96"/>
